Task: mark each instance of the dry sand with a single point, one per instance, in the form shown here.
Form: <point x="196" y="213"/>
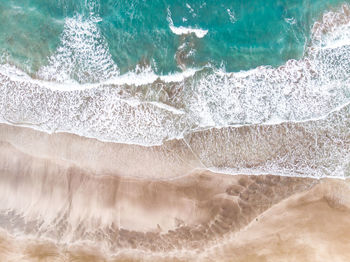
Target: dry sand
<point x="68" y="198"/>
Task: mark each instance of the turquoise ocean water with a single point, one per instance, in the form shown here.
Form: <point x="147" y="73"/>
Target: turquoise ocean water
<point x="240" y="34"/>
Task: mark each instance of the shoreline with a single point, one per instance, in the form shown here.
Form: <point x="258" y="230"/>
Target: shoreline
<point x="169" y="153"/>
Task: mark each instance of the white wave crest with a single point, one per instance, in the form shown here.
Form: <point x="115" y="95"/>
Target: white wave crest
<point x="181" y="30"/>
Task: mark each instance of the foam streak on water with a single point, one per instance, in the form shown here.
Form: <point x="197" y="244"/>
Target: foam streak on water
<point x="83" y="54"/>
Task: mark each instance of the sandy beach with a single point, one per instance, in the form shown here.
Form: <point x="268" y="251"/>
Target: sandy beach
<point x="69" y="198"/>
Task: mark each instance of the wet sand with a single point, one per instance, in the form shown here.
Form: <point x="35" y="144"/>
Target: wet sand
<point x="69" y="198"/>
<point x="309" y="226"/>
